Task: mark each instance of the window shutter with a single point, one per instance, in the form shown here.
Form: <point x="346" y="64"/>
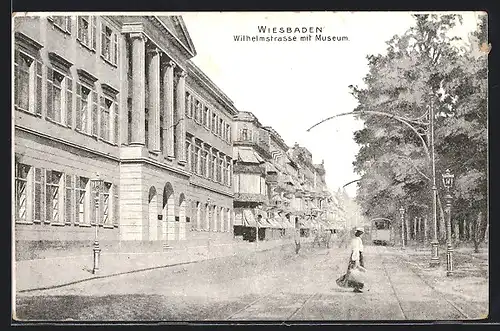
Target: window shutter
<point x="102" y="131"/>
<point x="78" y="106"/>
<point x="115" y="48"/>
<point x="50" y="108"/>
<point x="94" y="113"/>
<point x="116" y="207"/>
<point x="78" y="31"/>
<point x="116" y="127"/>
<point x="38" y="87"/>
<point x="68" y="200"/>
<point x="103" y="39"/>
<point x="48" y="197"/>
<point x="68" y="24"/>
<point x="93" y="26"/>
<point x="69" y="102"/>
<point x="42" y="194"/>
<point x="16" y="77"/>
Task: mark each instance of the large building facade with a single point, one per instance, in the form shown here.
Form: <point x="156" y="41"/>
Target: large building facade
<point x="118" y="98"/>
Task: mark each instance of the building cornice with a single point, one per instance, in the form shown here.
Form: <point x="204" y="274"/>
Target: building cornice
<point x="206" y="187"/>
<point x="138" y="27"/>
<point x="66" y="142"/>
<point x="156" y="164"/>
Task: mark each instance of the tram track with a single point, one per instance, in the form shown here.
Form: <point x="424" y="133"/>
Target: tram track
<point x="261" y="299"/>
<point x="411" y="268"/>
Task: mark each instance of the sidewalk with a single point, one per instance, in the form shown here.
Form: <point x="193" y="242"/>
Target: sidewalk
<point x="467" y="288"/>
<point x="55" y="272"/>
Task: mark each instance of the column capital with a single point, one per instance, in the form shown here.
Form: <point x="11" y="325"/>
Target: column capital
<point x="182" y="74"/>
<point x="154" y="51"/>
<point x="138" y="35"/>
<point x="170" y="64"/>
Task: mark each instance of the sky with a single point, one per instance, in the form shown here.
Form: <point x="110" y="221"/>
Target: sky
<point x="293" y="85"/>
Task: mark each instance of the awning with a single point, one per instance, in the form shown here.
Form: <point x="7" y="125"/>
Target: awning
<point x="248" y="218"/>
<point x="263" y="223"/>
<point x="270" y="167"/>
<point x="248" y="156"/>
<point x="275" y="223"/>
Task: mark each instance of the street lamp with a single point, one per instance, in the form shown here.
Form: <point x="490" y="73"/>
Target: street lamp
<point x="402" y="213"/>
<point x="448" y="183"/>
<point x="420" y="128"/>
<point x="97" y="186"/>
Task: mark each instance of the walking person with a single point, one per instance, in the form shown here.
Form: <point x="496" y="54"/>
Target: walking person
<point x="328" y="237"/>
<point x="356" y="259"/>
<point x="356" y="263"/>
<point x="297" y="235"/>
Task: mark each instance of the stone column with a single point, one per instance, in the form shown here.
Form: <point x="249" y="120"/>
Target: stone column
<point x="181" y="121"/>
<point x="138" y="89"/>
<point x="154" y="99"/>
<point x="168" y="108"/>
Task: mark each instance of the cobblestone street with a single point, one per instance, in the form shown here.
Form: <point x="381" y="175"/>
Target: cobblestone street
<point x="270" y="285"/>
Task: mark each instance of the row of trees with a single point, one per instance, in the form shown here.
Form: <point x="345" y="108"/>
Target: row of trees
<point x="424" y="68"/>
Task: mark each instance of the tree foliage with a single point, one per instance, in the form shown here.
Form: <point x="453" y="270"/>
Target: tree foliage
<point x="424" y="68"/>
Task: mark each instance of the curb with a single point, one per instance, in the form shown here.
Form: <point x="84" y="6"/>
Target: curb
<point x="136" y="271"/>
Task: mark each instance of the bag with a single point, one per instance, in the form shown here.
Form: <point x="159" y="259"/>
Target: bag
<point x="356" y="275"/>
<point x="342" y="281"/>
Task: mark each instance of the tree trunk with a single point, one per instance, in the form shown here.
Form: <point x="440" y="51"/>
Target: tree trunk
<point x="441" y="220"/>
<point x="407" y="230"/>
<point x="425" y="229"/>
<point x="477" y="232"/>
<point x="415" y="227"/>
<point x="470" y="230"/>
<point x="457" y="232"/>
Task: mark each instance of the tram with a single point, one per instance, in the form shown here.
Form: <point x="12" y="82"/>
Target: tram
<point x="381" y="231"/>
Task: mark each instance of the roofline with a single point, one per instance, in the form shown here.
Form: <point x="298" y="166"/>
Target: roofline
<point x="213" y="88"/>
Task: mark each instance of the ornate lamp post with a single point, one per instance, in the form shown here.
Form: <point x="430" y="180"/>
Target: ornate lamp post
<point x="448" y="184"/>
<point x="97" y="186"/>
<point x="402" y="214"/>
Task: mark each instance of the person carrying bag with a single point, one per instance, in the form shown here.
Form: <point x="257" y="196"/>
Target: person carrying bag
<point x="354" y="277"/>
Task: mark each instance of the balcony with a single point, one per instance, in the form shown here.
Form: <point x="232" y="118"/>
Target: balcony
<point x="250" y="197"/>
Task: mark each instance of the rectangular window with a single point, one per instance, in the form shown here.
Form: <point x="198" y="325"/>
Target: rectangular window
<point x="53" y="196"/>
<point x="68" y="203"/>
<point x="21" y="182"/>
<point x="188" y="154"/>
<point x="62" y="22"/>
<point x="205" y="116"/>
<point x="116" y="206"/>
<point x="220" y="127"/>
<point x="213" y="166"/>
<point x="214" y="123"/>
<point x="38" y="194"/>
<point x="188" y="104"/>
<point x="59" y="97"/>
<point x="197" y="154"/>
<point x="109" y="44"/>
<point x="203" y="165"/>
<point x="210" y="166"/>
<point x="86" y="31"/>
<point x="228" y="172"/>
<point x="106" y="204"/>
<point x="27" y="83"/>
<point x="83" y="104"/>
<point x="81" y="200"/>
<point x="219" y="170"/>
<point x="106" y="111"/>
<point x="95" y="114"/>
<point x="193" y="159"/>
